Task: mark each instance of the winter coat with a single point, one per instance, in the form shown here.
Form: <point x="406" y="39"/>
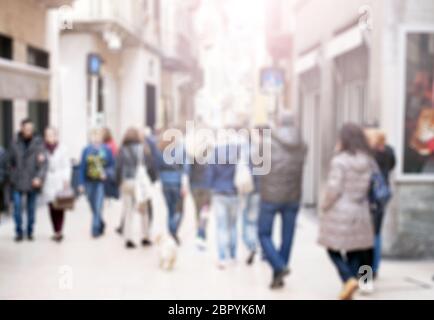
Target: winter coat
<point x="345" y="222"/>
<point x="26" y="162"/>
<point x="59" y="173"/>
<point x="222" y="175"/>
<point x="127" y="161"/>
<point x="285" y="152"/>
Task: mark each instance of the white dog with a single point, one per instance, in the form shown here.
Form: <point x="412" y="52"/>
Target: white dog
<point x="167" y="250"/>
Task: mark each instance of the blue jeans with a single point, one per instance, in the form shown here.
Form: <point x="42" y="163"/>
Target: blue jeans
<point x="172" y="195"/>
<point x="348" y="264"/>
<point x="250" y="221"/>
<point x="31" y="207"/>
<point x="225" y="208"/>
<point x="377" y="253"/>
<point x="378" y="216"/>
<point x="95" y="196"/>
<point x="278" y="258"/>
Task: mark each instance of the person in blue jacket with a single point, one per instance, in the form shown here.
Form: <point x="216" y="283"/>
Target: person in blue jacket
<point x="172" y="166"/>
<point x="95" y="161"/>
<point x="225" y="201"/>
<point x="199" y="181"/>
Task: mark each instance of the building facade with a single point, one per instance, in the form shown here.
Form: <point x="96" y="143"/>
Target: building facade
<point x="108" y="68"/>
<point x="25" y="64"/>
<point x="182" y="74"/>
<point x="371" y="62"/>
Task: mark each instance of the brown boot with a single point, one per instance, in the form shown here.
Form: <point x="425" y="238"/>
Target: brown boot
<point x="349" y="288"/>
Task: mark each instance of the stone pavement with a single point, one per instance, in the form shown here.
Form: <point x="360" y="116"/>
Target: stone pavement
<point x="103" y="269"/>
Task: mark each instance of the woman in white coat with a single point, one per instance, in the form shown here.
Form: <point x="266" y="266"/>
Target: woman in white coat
<point x="58" y="178"/>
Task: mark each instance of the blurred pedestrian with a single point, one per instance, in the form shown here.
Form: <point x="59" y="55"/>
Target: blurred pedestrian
<point x="346" y="228"/>
<point x="251" y="202"/>
<point x="280" y="192"/>
<point x="224" y="199"/>
<point x="27" y="166"/>
<point x="172" y="166"/>
<point x="148" y="140"/>
<point x="111" y="189"/>
<point x="132" y="154"/>
<point x="109" y="141"/>
<point x="385" y="158"/>
<point x="58" y="179"/>
<point x="200" y="184"/>
<point x="95" y="160"/>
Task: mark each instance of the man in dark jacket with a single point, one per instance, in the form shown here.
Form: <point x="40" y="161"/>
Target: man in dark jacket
<point x="28" y="165"/>
<point x="280" y="192"/>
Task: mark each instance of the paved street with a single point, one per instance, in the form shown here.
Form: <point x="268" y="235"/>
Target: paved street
<point x="104" y="269"/>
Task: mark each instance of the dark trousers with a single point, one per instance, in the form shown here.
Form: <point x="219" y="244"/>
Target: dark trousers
<point x="278" y="258"/>
<point x="57" y="218"/>
<point x="348" y="264"/>
<point x="31" y="208"/>
<point x="174" y="202"/>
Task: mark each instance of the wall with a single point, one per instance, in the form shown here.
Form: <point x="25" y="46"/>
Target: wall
<point x="409" y="227"/>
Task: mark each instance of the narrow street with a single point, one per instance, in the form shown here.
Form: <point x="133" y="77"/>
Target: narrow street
<point x="104" y="269"/>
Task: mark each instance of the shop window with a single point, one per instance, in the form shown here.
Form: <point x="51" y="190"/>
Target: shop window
<point x="38" y="112"/>
<point x="419" y="104"/>
<point x="6" y="120"/>
<point x="5" y="47"/>
<point x="38" y="57"/>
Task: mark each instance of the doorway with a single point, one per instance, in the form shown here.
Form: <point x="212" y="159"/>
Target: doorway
<point x="38" y="112"/>
<point x="151" y="106"/>
<point x="6" y="121"/>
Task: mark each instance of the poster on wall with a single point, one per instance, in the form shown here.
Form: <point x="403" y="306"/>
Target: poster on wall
<point x="419" y="104"/>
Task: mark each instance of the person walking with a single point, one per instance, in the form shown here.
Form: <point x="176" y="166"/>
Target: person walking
<point x="95" y="160"/>
<point x="172" y="166"/>
<point x="58" y="179"/>
<point x="199" y="183"/>
<point x="280" y="192"/>
<point x="251" y="202"/>
<point x="27" y="167"/>
<point x="111" y="190"/>
<point x="346" y="229"/>
<point x="386" y="161"/>
<point x="109" y="142"/>
<point x="132" y="154"/>
<point x="147" y="139"/>
<point x="224" y="199"/>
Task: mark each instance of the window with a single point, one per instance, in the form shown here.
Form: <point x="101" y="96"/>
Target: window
<point x="419" y="104"/>
<point x="38" y="57"/>
<point x="38" y="112"/>
<point x="5" y="47"/>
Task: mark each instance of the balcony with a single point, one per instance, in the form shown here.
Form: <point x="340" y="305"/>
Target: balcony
<point x="125" y="19"/>
<point x="49" y="4"/>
